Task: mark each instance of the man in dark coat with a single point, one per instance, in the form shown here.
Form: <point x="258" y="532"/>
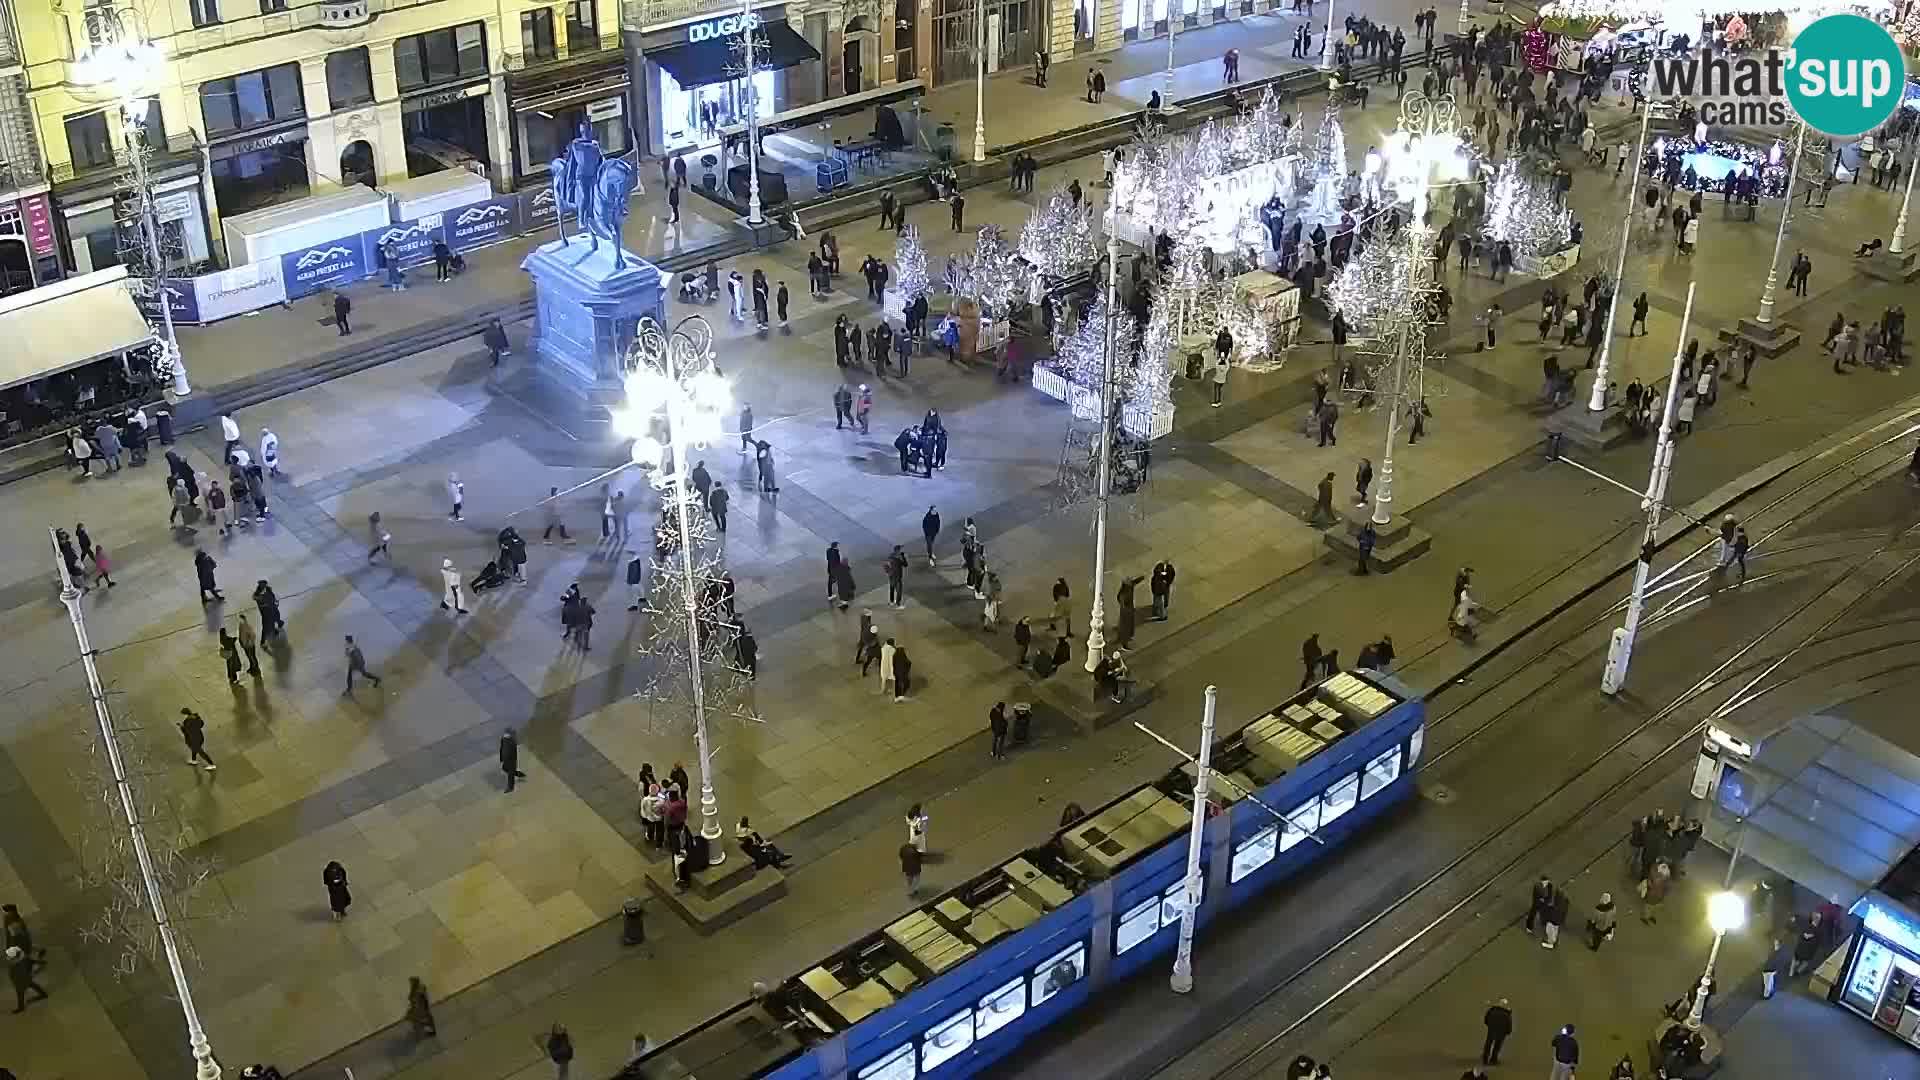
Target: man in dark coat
<point x="1310" y="658"/>
<point x="342" y="307"/>
<point x="510" y="758"/>
<point x="1499" y="1024"/>
<point x="203" y="566"/>
<point x="494" y="337"/>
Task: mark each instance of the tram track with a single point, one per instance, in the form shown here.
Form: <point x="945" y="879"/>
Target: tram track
<point x="1659" y="726"/>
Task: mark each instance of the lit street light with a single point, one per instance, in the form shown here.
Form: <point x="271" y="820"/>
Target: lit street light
<point x="674" y="375"/>
<point x="1725" y="912"/>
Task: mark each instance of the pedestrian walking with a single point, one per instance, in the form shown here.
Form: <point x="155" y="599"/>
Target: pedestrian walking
<point x="1600" y="924"/>
<point x="451" y="598"/>
<point x="842" y="408"/>
<point x="1566" y="1054"/>
<point x="997" y="729"/>
<point x="203" y="567"/>
<point x="1220" y="377"/>
<point x="560" y="1051"/>
<point x="419" y="1009"/>
<point x="1062" y="606"/>
<point x="902" y="673"/>
<point x="1023" y="638"/>
<point x="378" y="538"/>
<point x="896" y="570"/>
<point x="917" y="827"/>
<point x="554" y="524"/>
<point x="357" y="664"/>
<point x="342" y="308"/>
<point x="886" y="667"/>
<point x="909" y="869"/>
<point x="1540" y="904"/>
<point x="1779" y="958"/>
<point x="1653" y="890"/>
<point x="717" y="508"/>
<point x="510" y="758"/>
<point x="19" y="936"/>
<point x="271" y="624"/>
<point x="1329" y="416"/>
<point x="1310" y="654"/>
<point x="20" y="967"/>
<point x="456" y="494"/>
<point x="1365" y="539"/>
<point x="194" y="731"/>
<point x="959" y="205"/>
<point x="103" y="567"/>
<point x="1498" y="1021"/>
<point x="339" y="897"/>
<point x="1362" y="480"/>
<point x="930" y="529"/>
<point x="249" y="644"/>
<point x="494" y="337"/>
<point x="1557" y="911"/>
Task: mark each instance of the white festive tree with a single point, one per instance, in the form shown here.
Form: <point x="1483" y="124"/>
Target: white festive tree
<point x="995" y="278"/>
<point x="910" y="265"/>
<point x="1059" y="238"/>
<point x="1523" y="212"/>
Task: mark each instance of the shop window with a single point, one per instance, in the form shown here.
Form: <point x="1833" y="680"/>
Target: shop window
<point x="1137" y="925"/>
<point x="349" y="78"/>
<point x="1000" y="1008"/>
<point x="1300" y="824"/>
<point x="252" y="100"/>
<point x="583" y="27"/>
<point x="151" y="130"/>
<point x="1381" y="771"/>
<point x="204" y="12"/>
<point x="897" y="1065"/>
<point x="946" y="1041"/>
<point x="906" y="27"/>
<point x="1339" y="799"/>
<point x="1061" y="970"/>
<point x="438" y="56"/>
<point x="260" y="178"/>
<point x="87" y="141"/>
<point x="536" y="34"/>
<point x="1254" y="852"/>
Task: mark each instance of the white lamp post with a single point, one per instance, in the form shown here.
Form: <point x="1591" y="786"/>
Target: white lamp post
<point x="204" y="1065"/>
<point x="1765" y="317"/>
<point x="1175" y="16"/>
<point x="1326" y="46"/>
<point x="131" y="68"/>
<point x="1182" y="979"/>
<point x="1097" y="618"/>
<point x="1899" y="245"/>
<point x="1597" y="399"/>
<point x="749" y="22"/>
<point x="1428" y="137"/>
<point x="980" y="82"/>
<point x="676" y="375"/>
<point x="1463" y="18"/>
<point x="1725" y="911"/>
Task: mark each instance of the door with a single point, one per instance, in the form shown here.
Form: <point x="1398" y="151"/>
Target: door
<point x="850" y="60"/>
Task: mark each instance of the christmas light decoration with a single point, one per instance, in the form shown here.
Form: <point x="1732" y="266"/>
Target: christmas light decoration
<point x="1059" y="240"/>
<point x="1536" y="50"/>
<point x="1678" y="155"/>
<point x="1212" y="179"/>
<point x="1523" y="212"/>
<point x="910" y="277"/>
<point x="992" y="276"/>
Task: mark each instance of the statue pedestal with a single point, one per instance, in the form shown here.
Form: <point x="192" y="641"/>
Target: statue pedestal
<point x="587" y="312"/>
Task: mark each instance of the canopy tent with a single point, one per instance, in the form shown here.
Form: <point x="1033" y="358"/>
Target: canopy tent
<point x="65" y="325"/>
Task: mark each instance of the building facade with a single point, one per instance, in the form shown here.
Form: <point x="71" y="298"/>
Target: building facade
<point x="279" y="99"/>
<point x="28" y="248"/>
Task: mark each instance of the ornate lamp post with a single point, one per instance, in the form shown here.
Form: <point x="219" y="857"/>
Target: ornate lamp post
<point x="1326" y="45"/>
<point x="205" y="1067"/>
<point x="1765" y="317"/>
<point x="1725" y="911"/>
<point x="674" y="376"/>
<point x="131" y="68"/>
<point x="1427" y="139"/>
<point x="749" y="22"/>
<point x="1097" y="618"/>
<point x="1899" y="245"/>
<point x="980" y="81"/>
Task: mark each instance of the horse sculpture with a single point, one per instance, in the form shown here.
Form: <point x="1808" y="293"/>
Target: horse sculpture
<point x="595" y="190"/>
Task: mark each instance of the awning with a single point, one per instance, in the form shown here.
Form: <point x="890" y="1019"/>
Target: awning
<point x="701" y="63"/>
<point x="56" y="327"/>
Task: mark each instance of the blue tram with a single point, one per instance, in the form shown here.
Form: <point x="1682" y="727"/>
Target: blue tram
<point x="959" y="982"/>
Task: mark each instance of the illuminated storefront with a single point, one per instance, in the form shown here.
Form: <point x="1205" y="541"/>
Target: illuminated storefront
<point x="693" y="79"/>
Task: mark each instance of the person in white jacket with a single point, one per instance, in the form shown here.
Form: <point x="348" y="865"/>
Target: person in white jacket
<point x="270" y="451"/>
<point x="457" y="494"/>
<point x="450" y="579"/>
<point x="229" y="431"/>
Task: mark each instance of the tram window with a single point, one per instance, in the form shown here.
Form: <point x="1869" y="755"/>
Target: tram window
<point x="895" y="1066"/>
<point x="1000" y="1008"/>
<point x="1173" y="902"/>
<point x="1414" y="746"/>
<point x="1300" y="824"/>
<point x="1339" y="799"/>
<point x="1254" y="852"/>
<point x="1137" y="925"/>
<point x="946" y="1041"/>
<point x="1062" y="970"/>
<point x="1381" y="771"/>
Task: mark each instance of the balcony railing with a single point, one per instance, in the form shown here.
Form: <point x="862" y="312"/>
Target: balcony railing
<point x="641" y="14"/>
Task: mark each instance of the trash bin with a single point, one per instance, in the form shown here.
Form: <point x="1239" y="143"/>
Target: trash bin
<point x="163" y="419"/>
<point x="633" y="922"/>
<point x="1194" y="363"/>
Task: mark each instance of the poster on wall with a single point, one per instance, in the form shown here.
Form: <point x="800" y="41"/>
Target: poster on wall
<point x="482" y="223"/>
<point x="412" y="241"/>
<point x="38" y="214"/>
<point x="242" y="289"/>
<point x="325" y="265"/>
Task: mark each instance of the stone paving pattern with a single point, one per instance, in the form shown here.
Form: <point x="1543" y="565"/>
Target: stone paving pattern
<point x="486" y="896"/>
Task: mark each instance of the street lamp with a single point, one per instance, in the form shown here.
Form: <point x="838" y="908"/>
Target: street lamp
<point x="1097" y="618"/>
<point x="1176" y="14"/>
<point x="1181" y="981"/>
<point x="1597" y="400"/>
<point x="674" y="375"/>
<point x="1326" y="45"/>
<point x="980" y="82"/>
<point x="1765" y="318"/>
<point x="205" y="1067"/>
<point x="748" y="46"/>
<point x="1426" y="140"/>
<point x="1899" y="244"/>
<point x="131" y="68"/>
<point x="1725" y="912"/>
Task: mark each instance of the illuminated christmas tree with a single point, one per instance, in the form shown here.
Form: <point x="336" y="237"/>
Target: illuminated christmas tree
<point x="1523" y="212"/>
<point x="910" y="265"/>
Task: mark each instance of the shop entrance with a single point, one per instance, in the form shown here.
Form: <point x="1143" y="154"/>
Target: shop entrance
<point x="850" y="58"/>
<point x="447" y="136"/>
<point x="356" y="164"/>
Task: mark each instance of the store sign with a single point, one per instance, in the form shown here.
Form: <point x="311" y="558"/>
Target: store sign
<point x="175" y="207"/>
<point x="263" y="142"/>
<point x="605" y="110"/>
<point x="336" y="263"/>
<point x="725" y="27"/>
<point x="482" y="223"/>
<point x="409" y="242"/>
<point x="250" y="287"/>
<point x="38" y="214"/>
<point x="1889" y="926"/>
<point x="181" y="301"/>
<point x="444" y="97"/>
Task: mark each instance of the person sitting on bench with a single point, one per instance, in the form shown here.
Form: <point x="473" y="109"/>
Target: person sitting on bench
<point x="759" y="850"/>
<point x="1870" y="247"/>
<point x="695" y="855"/>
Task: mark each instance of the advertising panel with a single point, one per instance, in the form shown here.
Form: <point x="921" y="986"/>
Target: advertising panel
<point x="412" y="241"/>
<point x="325" y="265"/>
<point x="538" y="209"/>
<point x="179" y="294"/>
<point x="239" y="290"/>
<point x="482" y="223"/>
